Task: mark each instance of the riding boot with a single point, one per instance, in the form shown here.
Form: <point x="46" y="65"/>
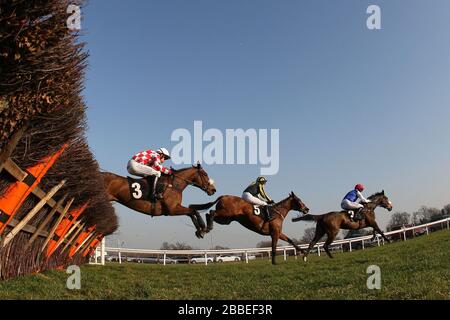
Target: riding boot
<point x="359" y="215"/>
<point x="268" y="213"/>
<point x="155" y="195"/>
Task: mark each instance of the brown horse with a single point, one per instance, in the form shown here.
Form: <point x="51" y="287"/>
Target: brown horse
<point x="231" y="208"/>
<point x="118" y="189"/>
<point x="332" y="222"/>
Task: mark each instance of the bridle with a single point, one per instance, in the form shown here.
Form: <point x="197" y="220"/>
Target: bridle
<point x="275" y="210"/>
<point x="193" y="183"/>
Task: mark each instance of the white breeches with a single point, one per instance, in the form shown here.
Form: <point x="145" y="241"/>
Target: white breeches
<point x="253" y="200"/>
<point x="141" y="170"/>
<point x="348" y="205"/>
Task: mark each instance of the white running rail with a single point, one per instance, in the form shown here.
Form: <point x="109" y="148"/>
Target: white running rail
<point x="102" y="251"/>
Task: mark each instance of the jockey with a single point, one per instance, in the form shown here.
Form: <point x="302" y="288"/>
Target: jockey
<point x="256" y="194"/>
<point x="149" y="164"/>
<point x="349" y="203"/>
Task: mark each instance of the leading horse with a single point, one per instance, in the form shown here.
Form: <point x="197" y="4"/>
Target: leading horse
<point x="231" y="208"/>
<point x="118" y="189"/>
<point x="331" y="223"/>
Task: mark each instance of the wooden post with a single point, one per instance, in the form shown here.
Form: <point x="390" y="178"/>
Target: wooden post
<point x="81" y="245"/>
<point x="68" y="233"/>
<point x="103" y="253"/>
<point x="75" y="235"/>
<point x="55" y="226"/>
<point x="48" y="218"/>
<point x="32" y="213"/>
<point x="12" y="144"/>
<point x="88" y="243"/>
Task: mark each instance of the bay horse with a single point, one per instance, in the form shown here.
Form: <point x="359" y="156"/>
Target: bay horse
<point x="118" y="190"/>
<point x="331" y="223"/>
<point x="232" y="208"/>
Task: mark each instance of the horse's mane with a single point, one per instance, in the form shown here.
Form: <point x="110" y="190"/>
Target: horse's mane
<point x="182" y="169"/>
<point x="284" y="200"/>
<point x="375" y="195"/>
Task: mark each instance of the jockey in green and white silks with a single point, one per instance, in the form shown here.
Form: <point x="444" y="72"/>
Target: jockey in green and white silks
<point x="256" y="193"/>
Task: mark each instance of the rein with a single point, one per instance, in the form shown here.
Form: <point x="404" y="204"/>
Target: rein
<point x="191" y="183"/>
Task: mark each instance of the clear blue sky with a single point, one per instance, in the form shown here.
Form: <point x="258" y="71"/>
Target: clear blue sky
<point x="352" y="105"/>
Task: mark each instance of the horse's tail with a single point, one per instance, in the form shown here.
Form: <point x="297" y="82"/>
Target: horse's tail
<point x="204" y="206"/>
<point x="308" y="217"/>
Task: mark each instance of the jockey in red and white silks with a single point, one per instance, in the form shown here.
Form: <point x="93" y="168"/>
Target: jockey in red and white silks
<point x="149" y="164"/>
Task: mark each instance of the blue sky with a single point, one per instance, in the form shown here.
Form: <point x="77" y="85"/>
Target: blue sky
<point x="352" y="105"/>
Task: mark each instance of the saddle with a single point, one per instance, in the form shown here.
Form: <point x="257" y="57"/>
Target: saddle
<point x="142" y="189"/>
<point x="355" y="216"/>
<point x="264" y="212"/>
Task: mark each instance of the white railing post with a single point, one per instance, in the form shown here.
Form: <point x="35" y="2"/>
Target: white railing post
<point x="448" y="224"/>
<point x="318" y="250"/>
<point x="378" y="240"/>
<point x="342" y="248"/>
<point x="102" y="252"/>
<point x="350" y="245"/>
<point x="206" y="258"/>
<point x="428" y="232"/>
<point x="164" y="258"/>
<point x="120" y="256"/>
<point x="404" y="235"/>
<point x="295" y="254"/>
<point x="246" y="257"/>
<point x="284" y="253"/>
<point x="362" y="242"/>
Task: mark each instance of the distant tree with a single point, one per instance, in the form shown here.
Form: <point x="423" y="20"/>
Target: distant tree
<point x="308" y="235"/>
<point x="166" y="246"/>
<point x="398" y="219"/>
<point x="176" y="246"/>
<point x="425" y="214"/>
<point x="446" y="209"/>
<point x="264" y="244"/>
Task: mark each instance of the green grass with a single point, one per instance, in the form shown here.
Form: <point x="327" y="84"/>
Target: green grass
<point x="416" y="269"/>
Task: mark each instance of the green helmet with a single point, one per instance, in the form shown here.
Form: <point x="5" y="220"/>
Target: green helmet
<point x="261" y="180"/>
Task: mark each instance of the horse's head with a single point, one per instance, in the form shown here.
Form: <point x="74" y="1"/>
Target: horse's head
<point x="202" y="180"/>
<point x="297" y="204"/>
<point x="381" y="200"/>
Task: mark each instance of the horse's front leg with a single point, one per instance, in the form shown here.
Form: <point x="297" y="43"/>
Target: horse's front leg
<point x="292" y="243"/>
<point x="377" y="229"/>
<point x="195" y="217"/>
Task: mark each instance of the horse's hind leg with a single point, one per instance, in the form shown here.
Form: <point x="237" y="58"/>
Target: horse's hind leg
<point x="319" y="234"/>
<point x="210" y="220"/>
<point x="330" y="239"/>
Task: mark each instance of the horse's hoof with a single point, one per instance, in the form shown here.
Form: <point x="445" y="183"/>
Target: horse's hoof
<point x="199" y="234"/>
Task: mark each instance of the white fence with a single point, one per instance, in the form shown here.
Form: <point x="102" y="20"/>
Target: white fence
<point x="103" y="251"/>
